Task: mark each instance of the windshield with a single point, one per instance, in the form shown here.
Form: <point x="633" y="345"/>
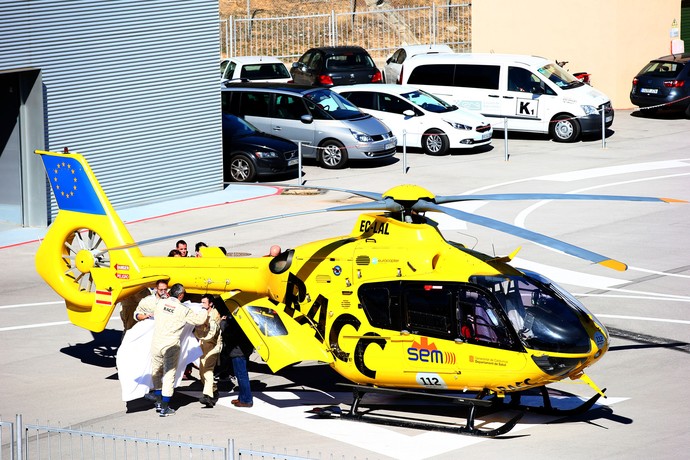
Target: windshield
<point x="428" y="102"/>
<point x="560" y="76"/>
<point x="662" y="69"/>
<point x="265" y="71"/>
<point x="542" y="317"/>
<point x="349" y="60"/>
<point x="333" y="104"/>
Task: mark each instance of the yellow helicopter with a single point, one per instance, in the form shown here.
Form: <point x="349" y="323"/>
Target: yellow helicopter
<point x="392" y="307"/>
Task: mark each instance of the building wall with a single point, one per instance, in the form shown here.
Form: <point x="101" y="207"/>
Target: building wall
<point x="611" y="39"/>
<point x="131" y="84"/>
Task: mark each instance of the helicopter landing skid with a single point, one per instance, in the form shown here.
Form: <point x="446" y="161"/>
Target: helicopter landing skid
<point x="358" y="392"/>
<point x="548" y="409"/>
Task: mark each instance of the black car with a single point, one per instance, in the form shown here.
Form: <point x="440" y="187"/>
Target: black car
<point x="248" y="153"/>
<point x="335" y="65"/>
<point x="663" y="84"/>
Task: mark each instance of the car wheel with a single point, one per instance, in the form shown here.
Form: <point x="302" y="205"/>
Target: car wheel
<point x="435" y="142"/>
<point x="333" y="155"/>
<point x="242" y="169"/>
<point x="564" y="128"/>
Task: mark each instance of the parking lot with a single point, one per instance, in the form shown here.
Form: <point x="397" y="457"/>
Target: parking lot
<point x="53" y="371"/>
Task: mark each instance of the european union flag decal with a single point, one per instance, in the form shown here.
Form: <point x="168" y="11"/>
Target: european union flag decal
<point x="71" y="186"/>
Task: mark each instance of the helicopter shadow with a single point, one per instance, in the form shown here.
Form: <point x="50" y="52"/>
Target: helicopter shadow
<point x="596" y="413"/>
<point x="100" y="352"/>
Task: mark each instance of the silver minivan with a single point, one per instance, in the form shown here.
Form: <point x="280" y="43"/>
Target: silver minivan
<point x="331" y="129"/>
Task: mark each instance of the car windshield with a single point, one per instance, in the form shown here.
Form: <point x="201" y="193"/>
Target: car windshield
<point x="266" y="71"/>
<point x="334" y="105"/>
<point x="428" y="102"/>
<point x="349" y="60"/>
<point x="236" y="127"/>
<point x="559" y="76"/>
<point x="662" y="69"/>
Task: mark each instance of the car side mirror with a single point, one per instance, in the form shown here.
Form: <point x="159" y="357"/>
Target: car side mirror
<point x="295" y="65"/>
<point x="306" y="119"/>
<point x="409" y="113"/>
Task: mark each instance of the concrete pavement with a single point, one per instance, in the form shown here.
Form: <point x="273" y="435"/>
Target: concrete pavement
<point x="51" y="370"/>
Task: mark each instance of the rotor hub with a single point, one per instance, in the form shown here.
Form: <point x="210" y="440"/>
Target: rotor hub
<point x="84" y="261"/>
<point x="408" y="192"/>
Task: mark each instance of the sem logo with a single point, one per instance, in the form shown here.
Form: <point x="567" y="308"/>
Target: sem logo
<point x="426" y="352"/>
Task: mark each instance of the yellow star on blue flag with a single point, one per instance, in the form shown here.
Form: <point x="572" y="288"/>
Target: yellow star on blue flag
<point x="71" y="186"/>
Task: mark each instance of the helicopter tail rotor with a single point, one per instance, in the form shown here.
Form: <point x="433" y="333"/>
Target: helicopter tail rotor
<point x="75" y="257"/>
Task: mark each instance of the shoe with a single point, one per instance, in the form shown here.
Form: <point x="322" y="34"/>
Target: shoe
<point x="235" y="401"/>
<point x="157" y="406"/>
<point x="206" y="401"/>
<point x="241" y="404"/>
<point x="166" y="411"/>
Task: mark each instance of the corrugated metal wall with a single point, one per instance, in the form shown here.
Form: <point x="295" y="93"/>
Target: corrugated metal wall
<point x="131" y="84"/>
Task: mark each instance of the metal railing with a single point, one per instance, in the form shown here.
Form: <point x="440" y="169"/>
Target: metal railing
<point x="379" y="31"/>
<point x="25" y="441"/>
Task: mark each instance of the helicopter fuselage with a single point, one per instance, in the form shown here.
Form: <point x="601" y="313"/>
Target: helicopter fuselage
<point x="395" y="304"/>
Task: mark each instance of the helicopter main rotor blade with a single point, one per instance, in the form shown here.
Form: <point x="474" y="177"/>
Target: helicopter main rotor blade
<point x="380" y="205"/>
<point x="549" y="196"/>
<point x="523" y="233"/>
<point x="386" y="204"/>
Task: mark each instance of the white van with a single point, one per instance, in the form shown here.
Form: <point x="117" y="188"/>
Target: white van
<point x="530" y="93"/>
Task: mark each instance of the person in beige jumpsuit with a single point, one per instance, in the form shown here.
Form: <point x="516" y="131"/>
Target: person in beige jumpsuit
<point x="140" y="306"/>
<point x="211" y="343"/>
<point x="147" y="305"/>
<point x="170" y="318"/>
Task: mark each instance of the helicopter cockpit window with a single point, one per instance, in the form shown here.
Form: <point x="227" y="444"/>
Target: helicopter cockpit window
<point x="379" y="306"/>
<point x="541" y="317"/>
<point x="267" y="321"/>
<point x="478" y="321"/>
<point x="429" y="310"/>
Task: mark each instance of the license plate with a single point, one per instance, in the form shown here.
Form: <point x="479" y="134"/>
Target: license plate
<point x="293" y="162"/>
<point x="649" y="90"/>
<point x="486" y="136"/>
<point x="390" y="145"/>
<point x="609" y="118"/>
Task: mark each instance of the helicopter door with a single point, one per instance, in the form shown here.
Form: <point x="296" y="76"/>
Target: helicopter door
<point x="277" y="337"/>
<point x="428" y="314"/>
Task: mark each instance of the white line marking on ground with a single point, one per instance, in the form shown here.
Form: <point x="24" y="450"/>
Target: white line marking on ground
<point x="614" y="170"/>
<point x="654" y="272"/>
<point x="20" y="305"/>
<point x="31" y="326"/>
<point x="36" y="325"/>
<point x="636" y="297"/>
<point x="644" y="318"/>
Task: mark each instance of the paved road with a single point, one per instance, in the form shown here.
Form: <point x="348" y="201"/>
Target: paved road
<point x="51" y="370"/>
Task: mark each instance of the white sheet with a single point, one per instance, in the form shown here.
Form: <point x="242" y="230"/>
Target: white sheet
<point x="133" y="358"/>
